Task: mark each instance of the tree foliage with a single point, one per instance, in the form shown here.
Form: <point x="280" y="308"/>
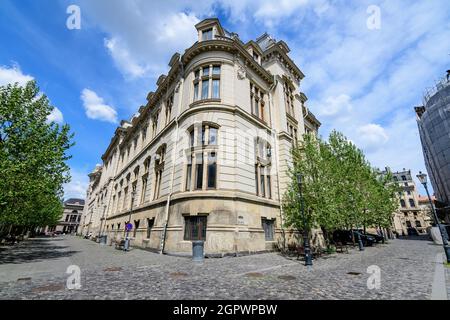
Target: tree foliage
<point x="340" y="188"/>
<point x="33" y="155"/>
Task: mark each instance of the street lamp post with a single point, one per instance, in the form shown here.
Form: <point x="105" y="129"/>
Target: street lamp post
<point x="127" y="239"/>
<point x="423" y="180"/>
<point x="308" y="256"/>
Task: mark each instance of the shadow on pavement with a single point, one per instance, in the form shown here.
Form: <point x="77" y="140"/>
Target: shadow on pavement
<point x="34" y="250"/>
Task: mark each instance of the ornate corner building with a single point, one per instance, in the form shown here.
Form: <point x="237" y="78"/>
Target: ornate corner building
<point x="207" y="157"/>
<point x="413" y="212"/>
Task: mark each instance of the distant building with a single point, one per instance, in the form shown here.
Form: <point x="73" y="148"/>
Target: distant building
<point x="433" y="120"/>
<point x="70" y="220"/>
<point x="410" y="214"/>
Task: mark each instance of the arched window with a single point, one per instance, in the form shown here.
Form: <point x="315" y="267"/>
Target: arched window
<point x="159" y="168"/>
<point x="412" y="203"/>
<point x="145" y="179"/>
<point x="402" y="203"/>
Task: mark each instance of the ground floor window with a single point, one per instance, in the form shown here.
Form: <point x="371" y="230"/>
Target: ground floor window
<point x="268" y="226"/>
<point x="195" y="228"/>
<point x="136" y="226"/>
<point x="150" y="223"/>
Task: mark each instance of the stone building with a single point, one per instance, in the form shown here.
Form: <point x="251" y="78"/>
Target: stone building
<point x="207" y="156"/>
<point x="71" y="217"/>
<point x="411" y="212"/>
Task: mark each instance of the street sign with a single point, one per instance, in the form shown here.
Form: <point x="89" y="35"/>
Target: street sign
<point x="129" y="226"/>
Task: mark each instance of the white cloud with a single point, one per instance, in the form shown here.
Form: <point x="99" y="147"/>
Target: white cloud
<point x="10" y="75"/>
<point x="372" y="136"/>
<point x="96" y="108"/>
<point x="333" y="106"/>
<point x="142" y="43"/>
<point x="123" y="60"/>
<point x="55" y="116"/>
<point x="78" y="185"/>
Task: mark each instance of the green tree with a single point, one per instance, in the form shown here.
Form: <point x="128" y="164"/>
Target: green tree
<point x="33" y="155"/>
<point x="340" y="188"/>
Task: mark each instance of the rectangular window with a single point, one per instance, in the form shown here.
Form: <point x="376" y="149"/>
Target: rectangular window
<point x="199" y="171"/>
<point x="144" y="189"/>
<point x="125" y="198"/>
<point x="269" y="187"/>
<point x="216" y="89"/>
<point x="268" y="226"/>
<point x="203" y="136"/>
<point x="136" y="226"/>
<point x="188" y="173"/>
<point x="150" y="223"/>
<point x="216" y="70"/>
<point x="206" y="71"/>
<point x="212" y="136"/>
<point x="196" y="91"/>
<point x="207" y="34"/>
<point x="263" y="187"/>
<point x="256" y="179"/>
<point x="212" y="170"/>
<point x="412" y="203"/>
<point x="191" y="138"/>
<point x="205" y="89"/>
<point x="195" y="228"/>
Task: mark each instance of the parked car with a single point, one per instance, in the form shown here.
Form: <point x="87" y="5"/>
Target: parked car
<point x="367" y="239"/>
<point x="346" y="237"/>
<point x="378" y="238"/>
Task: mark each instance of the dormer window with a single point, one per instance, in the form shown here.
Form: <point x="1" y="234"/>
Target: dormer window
<point x="207" y="34"/>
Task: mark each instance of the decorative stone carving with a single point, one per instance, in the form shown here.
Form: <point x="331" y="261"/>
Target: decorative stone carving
<point x="241" y="73"/>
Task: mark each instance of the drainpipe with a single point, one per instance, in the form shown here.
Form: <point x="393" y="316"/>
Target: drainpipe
<point x="271" y="105"/>
<point x="174" y="154"/>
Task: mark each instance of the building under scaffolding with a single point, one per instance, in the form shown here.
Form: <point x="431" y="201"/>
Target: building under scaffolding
<point x="433" y="119"/>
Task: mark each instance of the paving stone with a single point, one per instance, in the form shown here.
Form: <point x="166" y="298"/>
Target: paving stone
<point x="407" y="269"/>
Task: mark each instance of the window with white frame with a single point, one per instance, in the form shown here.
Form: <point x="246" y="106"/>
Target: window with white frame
<point x="263" y="179"/>
<point x="207" y="34"/>
<point x="201" y="168"/>
<point x="145" y="179"/>
<point x="257" y="101"/>
<point x="207" y="82"/>
<point x="159" y="168"/>
<point x="169" y="105"/>
<point x="289" y="99"/>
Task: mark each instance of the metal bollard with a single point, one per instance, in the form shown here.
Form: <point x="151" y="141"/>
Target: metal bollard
<point x="197" y="250"/>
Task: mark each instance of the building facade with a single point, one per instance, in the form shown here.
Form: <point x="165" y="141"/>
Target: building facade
<point x="71" y="217"/>
<point x="433" y="120"/>
<point x="411" y="214"/>
<point x="207" y="157"/>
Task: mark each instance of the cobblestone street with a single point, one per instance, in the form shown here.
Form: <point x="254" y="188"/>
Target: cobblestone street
<point x="36" y="269"/>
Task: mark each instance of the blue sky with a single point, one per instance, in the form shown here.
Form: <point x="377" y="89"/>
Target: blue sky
<point x="361" y="81"/>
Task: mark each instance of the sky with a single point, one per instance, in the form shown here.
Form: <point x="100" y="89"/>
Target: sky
<point x="367" y="63"/>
